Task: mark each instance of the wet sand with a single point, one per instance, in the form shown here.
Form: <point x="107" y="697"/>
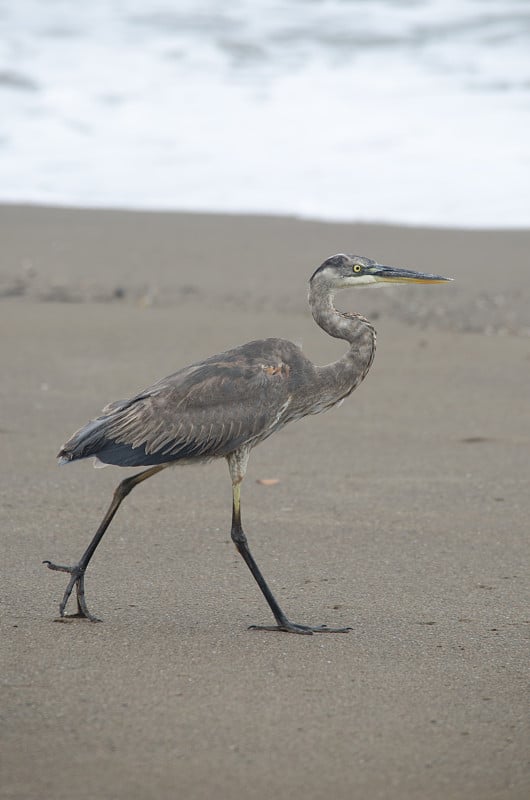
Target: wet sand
<point x="403" y="514"/>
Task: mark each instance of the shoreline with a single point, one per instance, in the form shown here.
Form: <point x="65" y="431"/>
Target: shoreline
<point x="27" y="205"/>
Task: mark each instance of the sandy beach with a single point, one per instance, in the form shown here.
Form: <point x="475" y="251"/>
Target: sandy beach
<point x="403" y="514"/>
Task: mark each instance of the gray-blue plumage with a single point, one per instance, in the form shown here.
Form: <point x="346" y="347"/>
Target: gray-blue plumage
<point x="225" y="405"/>
<point x="206" y="410"/>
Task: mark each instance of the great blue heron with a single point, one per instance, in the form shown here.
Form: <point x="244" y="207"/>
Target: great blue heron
<point x="224" y="406"/>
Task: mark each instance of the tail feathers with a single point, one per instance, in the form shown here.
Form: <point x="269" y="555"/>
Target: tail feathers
<point x="96" y="439"/>
<point x="85" y="442"/>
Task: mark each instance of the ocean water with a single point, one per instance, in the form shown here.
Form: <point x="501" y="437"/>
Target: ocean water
<point x="414" y="112"/>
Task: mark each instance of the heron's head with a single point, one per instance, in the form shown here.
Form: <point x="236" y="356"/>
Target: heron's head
<point x="341" y="271"/>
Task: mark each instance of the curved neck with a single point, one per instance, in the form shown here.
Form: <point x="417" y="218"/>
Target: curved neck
<point x="353" y="328"/>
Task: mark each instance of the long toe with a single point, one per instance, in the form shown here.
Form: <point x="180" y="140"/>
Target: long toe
<point x="325" y="629"/>
<point x="82" y="610"/>
<point x="61" y="567"/>
<point x="293" y="627"/>
<point x="78" y="615"/>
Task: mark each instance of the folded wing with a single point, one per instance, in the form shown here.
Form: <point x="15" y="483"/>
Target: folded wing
<point x="204" y="411"/>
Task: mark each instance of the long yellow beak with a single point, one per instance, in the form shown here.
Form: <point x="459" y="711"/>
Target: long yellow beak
<point x="397" y="275"/>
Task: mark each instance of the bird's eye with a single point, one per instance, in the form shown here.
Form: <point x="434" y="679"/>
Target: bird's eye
<point x="357" y="268"/>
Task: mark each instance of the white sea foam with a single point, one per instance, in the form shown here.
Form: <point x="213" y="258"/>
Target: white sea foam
<point x="409" y="112"/>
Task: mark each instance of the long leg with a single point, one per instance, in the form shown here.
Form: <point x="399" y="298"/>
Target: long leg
<point x="77" y="572"/>
<point x="237" y="464"/>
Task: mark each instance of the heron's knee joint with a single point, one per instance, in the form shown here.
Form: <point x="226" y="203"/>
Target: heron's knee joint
<point x="124" y="488"/>
<point x="238" y="535"/>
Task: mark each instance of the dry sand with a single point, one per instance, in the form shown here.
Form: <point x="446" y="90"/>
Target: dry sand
<point x="404" y="514"/>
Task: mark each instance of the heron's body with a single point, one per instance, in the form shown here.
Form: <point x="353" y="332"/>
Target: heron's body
<point x="228" y="401"/>
<point x="210" y="409"/>
<point x="227" y="404"/>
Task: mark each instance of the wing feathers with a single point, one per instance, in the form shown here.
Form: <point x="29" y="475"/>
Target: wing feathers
<point x="207" y="410"/>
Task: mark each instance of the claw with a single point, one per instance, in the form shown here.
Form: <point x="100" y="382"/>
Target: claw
<point x="78" y="580"/>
